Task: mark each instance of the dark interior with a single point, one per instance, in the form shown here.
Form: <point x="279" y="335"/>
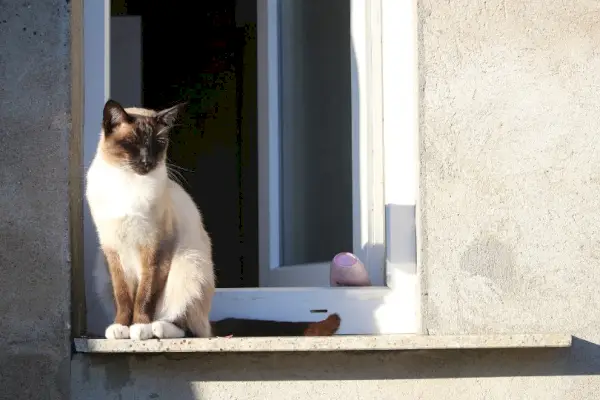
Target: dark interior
<point x="198" y="52"/>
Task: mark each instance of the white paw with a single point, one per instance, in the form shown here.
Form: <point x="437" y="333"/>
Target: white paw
<point x="140" y="331"/>
<point x="117" y="331"/>
<point x="166" y="330"/>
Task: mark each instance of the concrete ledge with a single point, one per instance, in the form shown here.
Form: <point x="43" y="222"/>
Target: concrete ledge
<point x="334" y="343"/>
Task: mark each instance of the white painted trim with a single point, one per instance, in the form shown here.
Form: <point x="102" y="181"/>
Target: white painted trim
<point x="362" y="310"/>
<point x="96" y="19"/>
<point x="367" y="147"/>
<point x="367" y="136"/>
<point x="401" y="152"/>
<point x="96" y="83"/>
<point x="400" y="100"/>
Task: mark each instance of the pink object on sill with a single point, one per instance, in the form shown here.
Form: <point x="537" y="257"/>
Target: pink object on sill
<point x="347" y="270"/>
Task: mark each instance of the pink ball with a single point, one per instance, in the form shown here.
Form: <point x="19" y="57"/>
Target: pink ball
<point x="348" y="270"/>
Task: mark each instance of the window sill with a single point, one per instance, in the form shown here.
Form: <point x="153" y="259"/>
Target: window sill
<point x="333" y="343"/>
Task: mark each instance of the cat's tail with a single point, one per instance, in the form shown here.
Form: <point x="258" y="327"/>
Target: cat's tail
<point x="257" y="327"/>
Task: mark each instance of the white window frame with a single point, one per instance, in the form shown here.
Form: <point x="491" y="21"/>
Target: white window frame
<point x="368" y="213"/>
<point x="385" y="111"/>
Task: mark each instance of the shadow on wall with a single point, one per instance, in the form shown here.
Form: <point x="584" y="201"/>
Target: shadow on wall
<point x="118" y="378"/>
<point x="159" y="376"/>
<point x="583" y="358"/>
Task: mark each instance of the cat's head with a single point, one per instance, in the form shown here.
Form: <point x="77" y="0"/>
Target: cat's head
<point x="136" y="138"/>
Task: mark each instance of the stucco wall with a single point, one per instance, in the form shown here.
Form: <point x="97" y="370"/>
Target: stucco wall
<point x="510" y="177"/>
<point x="510" y="161"/>
<point x="509" y="208"/>
<point x="510" y="199"/>
<point x="34" y="224"/>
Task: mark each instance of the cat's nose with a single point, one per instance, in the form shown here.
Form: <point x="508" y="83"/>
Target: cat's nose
<point x="145" y="160"/>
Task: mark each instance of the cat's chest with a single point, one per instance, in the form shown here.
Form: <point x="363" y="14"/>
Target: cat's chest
<point x="126" y="208"/>
<point x="126" y="201"/>
<point x="116" y="195"/>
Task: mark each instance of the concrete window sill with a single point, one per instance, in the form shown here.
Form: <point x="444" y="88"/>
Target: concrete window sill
<point x="333" y="343"/>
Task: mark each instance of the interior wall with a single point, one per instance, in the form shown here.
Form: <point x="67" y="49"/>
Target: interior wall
<point x="126" y="59"/>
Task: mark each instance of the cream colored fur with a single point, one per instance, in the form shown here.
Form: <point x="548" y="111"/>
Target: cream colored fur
<point x="125" y="208"/>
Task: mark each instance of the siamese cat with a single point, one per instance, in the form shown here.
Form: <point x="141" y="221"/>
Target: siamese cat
<point x="151" y="232"/>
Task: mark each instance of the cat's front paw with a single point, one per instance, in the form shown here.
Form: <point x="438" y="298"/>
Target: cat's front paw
<point x="140" y="331"/>
<point x="166" y="330"/>
<point x="117" y="331"/>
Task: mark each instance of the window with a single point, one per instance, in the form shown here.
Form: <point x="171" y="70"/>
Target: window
<point x="325" y="181"/>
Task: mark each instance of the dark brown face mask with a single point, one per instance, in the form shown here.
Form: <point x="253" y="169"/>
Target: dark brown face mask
<point x="138" y="141"/>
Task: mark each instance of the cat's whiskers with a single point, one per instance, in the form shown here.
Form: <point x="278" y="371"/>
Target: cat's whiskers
<point x="173" y="177"/>
<point x="176" y="176"/>
<point x="166" y="130"/>
<point x="128" y="164"/>
<point x="179" y="167"/>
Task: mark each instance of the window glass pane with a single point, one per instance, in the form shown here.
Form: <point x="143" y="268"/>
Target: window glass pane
<point x="316" y="139"/>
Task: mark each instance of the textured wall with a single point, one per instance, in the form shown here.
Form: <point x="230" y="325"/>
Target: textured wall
<point x="510" y="220"/>
<point x="34" y="234"/>
<point x="510" y="176"/>
<point x="510" y="198"/>
<point x="510" y="161"/>
<point x="469" y="375"/>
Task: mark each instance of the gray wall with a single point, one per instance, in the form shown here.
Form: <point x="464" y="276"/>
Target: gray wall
<point x="34" y="171"/>
<point x="510" y="164"/>
<point x="509" y="198"/>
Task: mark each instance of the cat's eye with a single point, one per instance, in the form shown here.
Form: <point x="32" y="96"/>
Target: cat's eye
<point x="129" y="147"/>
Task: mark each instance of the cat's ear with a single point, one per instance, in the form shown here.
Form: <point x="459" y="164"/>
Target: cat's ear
<point x="169" y="116"/>
<point x="113" y="115"/>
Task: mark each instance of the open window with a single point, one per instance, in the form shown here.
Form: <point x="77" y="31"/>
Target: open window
<point x="283" y="149"/>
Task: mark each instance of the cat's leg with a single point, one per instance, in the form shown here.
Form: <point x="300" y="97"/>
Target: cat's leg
<point x="155" y="271"/>
<point x="122" y="295"/>
<point x="188" y="293"/>
<point x="174" y="314"/>
<point x="197" y="315"/>
<point x="166" y="330"/>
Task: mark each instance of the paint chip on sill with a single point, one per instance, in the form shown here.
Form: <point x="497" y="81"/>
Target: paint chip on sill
<point x="332" y="343"/>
